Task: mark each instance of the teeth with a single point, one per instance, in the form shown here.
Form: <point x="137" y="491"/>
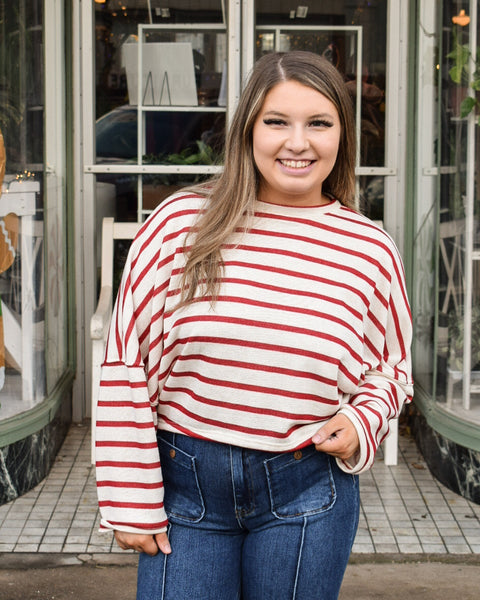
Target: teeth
<point x="296" y="164"/>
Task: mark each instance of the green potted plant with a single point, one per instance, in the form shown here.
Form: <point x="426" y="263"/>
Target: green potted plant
<point x="201" y="154"/>
<point x="460" y="74"/>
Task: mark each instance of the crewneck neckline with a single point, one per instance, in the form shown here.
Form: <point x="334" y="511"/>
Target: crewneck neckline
<point x="271" y="207"/>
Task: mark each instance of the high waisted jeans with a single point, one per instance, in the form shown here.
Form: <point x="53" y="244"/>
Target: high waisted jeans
<point x="251" y="525"/>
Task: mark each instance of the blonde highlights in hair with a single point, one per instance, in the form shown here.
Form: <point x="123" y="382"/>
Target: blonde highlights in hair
<point x="231" y="196"/>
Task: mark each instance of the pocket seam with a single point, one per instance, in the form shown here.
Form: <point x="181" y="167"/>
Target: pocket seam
<point x="275" y="510"/>
<point x="187" y="462"/>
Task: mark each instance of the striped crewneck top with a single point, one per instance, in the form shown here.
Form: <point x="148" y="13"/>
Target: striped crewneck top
<point x="312" y="319"/>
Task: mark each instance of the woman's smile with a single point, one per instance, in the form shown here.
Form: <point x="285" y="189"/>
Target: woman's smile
<point x="295" y="164"/>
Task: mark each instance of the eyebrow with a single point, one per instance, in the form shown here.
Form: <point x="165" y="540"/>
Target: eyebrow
<point x="278" y="113"/>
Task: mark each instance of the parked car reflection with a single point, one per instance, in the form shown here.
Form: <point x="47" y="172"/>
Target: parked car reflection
<point x="165" y="133"/>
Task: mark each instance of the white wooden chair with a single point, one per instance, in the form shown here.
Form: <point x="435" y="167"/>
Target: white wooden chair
<point x="100" y="323"/>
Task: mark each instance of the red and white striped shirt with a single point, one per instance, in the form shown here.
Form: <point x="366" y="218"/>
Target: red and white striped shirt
<point x="312" y="319"/>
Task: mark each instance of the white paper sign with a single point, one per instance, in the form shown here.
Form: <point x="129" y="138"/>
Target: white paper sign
<point x="168" y="74"/>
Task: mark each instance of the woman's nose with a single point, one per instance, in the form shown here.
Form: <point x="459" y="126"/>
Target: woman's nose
<point x="297" y="140"/>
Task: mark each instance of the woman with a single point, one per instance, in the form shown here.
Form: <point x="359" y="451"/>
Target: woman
<point x="258" y="348"/>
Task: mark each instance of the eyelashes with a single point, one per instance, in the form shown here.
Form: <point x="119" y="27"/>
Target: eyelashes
<point x="314" y="123"/>
<point x="273" y="122"/>
<point x="321" y="123"/>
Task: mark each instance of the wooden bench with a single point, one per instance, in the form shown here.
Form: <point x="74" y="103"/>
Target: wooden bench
<point x="100" y="323"/>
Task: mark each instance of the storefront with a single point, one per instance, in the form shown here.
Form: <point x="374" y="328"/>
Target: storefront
<point x="120" y="102"/>
<point x="36" y="350"/>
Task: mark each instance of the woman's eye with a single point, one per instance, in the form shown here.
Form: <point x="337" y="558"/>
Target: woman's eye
<point x="274" y="122"/>
<point x="321" y="123"/>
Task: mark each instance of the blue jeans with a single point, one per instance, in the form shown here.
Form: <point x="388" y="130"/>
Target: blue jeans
<point x="251" y="525"/>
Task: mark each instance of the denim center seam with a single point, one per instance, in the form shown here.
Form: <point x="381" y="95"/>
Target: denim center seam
<point x="234" y="491"/>
<point x="241" y="480"/>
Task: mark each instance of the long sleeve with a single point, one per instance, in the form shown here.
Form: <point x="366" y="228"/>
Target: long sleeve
<point x="129" y="476"/>
<point x="387" y="384"/>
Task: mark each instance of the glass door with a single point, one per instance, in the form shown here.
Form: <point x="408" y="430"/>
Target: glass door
<point x="362" y="39"/>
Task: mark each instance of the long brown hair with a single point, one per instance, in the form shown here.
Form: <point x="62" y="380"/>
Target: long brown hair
<point x="232" y="194"/>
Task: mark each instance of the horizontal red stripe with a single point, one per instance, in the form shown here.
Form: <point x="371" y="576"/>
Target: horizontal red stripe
<point x="255" y="367"/>
<point x="122" y="464"/>
<point x="258" y="389"/>
<point x="336" y="266"/>
<point x="234" y="426"/>
<point x="323" y="243"/>
<point x="248" y="323"/>
<point x="125" y="424"/>
<point x="283" y="308"/>
<point x="146" y="526"/>
<point x="130" y="484"/>
<point x="254" y="410"/>
<point x="123" y="404"/>
<point x="141" y="505"/>
<point x="123" y="383"/>
<point x="247" y="343"/>
<point x="116" y="444"/>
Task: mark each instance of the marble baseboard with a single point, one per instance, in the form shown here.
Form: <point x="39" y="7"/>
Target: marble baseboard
<point x="455" y="466"/>
<point x="26" y="462"/>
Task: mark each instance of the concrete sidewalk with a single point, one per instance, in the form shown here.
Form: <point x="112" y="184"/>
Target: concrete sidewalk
<point x="416" y="538"/>
<point x="113" y="577"/>
<point x="404" y="510"/>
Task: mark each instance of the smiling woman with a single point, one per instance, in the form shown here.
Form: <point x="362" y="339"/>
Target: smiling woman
<point x="295" y="144"/>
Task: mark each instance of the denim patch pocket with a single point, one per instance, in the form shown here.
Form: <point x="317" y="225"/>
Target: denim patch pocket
<point x="300" y="483"/>
<point x="183" y="498"/>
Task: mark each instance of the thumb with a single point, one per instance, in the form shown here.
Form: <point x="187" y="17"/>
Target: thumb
<point x="327" y="432"/>
<point x="163" y="543"/>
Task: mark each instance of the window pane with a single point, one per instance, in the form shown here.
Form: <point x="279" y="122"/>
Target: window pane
<point x="170" y="137"/>
<point x="22" y="265"/>
<point x="458" y="356"/>
<point x="165" y="131"/>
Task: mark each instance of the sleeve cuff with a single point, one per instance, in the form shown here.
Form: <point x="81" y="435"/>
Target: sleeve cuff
<point x="363" y="459"/>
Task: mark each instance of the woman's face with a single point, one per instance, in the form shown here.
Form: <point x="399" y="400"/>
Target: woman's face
<point x="295" y="144"/>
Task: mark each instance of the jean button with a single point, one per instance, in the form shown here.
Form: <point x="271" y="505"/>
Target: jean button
<point x="297" y="455"/>
<point x="172" y="453"/>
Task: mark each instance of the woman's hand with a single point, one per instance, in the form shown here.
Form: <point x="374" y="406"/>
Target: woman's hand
<point x="143" y="542"/>
<point x="338" y="437"/>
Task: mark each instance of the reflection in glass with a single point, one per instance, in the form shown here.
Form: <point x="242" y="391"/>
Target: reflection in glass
<point x="22" y="261"/>
<point x="198" y="137"/>
<point x="372" y="193"/>
<point x="458" y="293"/>
<point x="158" y="186"/>
<point x="166" y="132"/>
